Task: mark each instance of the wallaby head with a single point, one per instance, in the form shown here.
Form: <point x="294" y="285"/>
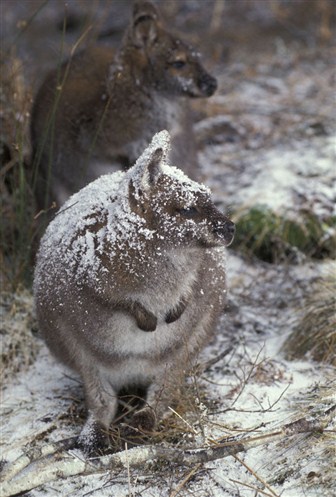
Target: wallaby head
<point x="138" y="216"/>
<point x="178" y="210"/>
<point x="167" y="63"/>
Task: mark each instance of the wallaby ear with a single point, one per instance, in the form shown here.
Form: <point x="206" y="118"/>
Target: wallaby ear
<point x="144" y="24"/>
<point x="148" y="168"/>
<point x="154" y="167"/>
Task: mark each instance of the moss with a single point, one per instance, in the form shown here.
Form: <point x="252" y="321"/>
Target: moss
<point x="275" y="238"/>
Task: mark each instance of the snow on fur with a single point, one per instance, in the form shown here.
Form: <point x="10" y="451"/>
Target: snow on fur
<point x="71" y="239"/>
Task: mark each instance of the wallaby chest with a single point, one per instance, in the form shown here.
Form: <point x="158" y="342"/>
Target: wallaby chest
<point x="169" y="279"/>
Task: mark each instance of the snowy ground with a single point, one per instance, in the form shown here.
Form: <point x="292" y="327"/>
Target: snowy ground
<point x="250" y="392"/>
<point x="266" y="136"/>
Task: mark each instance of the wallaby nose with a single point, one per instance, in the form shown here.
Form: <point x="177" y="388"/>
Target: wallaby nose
<point x="207" y="84"/>
<point x="226" y="231"/>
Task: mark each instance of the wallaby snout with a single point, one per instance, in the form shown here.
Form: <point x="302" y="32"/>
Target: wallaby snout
<point x="225" y="230"/>
<point x="207" y="84"/>
<point x="221" y="228"/>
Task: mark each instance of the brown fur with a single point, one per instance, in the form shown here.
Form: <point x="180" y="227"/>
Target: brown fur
<point x="133" y="302"/>
<point x="100" y="110"/>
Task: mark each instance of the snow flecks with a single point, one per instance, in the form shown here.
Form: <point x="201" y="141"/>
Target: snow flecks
<point x="140" y="174"/>
<point x="99" y="221"/>
<point x="282" y="178"/>
<point x="162" y="140"/>
<point x="271" y="154"/>
<point x="251" y="391"/>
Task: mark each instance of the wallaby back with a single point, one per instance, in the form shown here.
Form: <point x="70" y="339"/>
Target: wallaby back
<point x="99" y="110"/>
<point x="130" y="281"/>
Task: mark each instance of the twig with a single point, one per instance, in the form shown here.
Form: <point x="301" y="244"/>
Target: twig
<point x="257" y="477"/>
<point x="192" y="429"/>
<point x="63" y="465"/>
<point x="278" y="399"/>
<point x="251" y="487"/>
<point x="130" y="493"/>
<point x="44" y="211"/>
<point x="79" y="41"/>
<point x="246" y="380"/>
<point x="184" y="481"/>
<point x="202" y="368"/>
<point x="269" y="409"/>
<point x="36" y="453"/>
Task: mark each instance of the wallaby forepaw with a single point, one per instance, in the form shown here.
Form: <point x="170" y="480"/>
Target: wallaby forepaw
<point x="147" y="322"/>
<point x="174" y="314"/>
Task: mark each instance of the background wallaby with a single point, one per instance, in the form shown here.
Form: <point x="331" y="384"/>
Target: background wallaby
<point x="130" y="281"/>
<point x="99" y="111"/>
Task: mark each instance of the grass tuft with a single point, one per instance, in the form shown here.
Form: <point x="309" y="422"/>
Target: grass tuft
<point x="19" y="345"/>
<point x="315" y="333"/>
<point x="277" y="238"/>
<point x="17" y="226"/>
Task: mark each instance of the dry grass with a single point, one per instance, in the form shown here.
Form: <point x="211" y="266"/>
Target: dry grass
<point x="315" y="333"/>
<point x="293" y="437"/>
<point x="19" y="345"/>
<point x="17" y="226"/>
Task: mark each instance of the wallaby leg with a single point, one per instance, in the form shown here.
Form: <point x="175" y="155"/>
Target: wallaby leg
<point x="143" y="422"/>
<point x="102" y="403"/>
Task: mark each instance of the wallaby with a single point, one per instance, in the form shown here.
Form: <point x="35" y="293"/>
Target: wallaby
<point x="99" y="110"/>
<point x="129" y="284"/>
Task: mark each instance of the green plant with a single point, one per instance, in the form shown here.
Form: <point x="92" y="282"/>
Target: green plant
<point x="276" y="237"/>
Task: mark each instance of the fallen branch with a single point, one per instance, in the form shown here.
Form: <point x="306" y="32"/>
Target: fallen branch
<point x="66" y="464"/>
<point x="34" y="454"/>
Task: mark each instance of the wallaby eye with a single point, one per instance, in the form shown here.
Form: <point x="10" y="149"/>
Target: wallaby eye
<point x="189" y="212"/>
<point x="178" y="64"/>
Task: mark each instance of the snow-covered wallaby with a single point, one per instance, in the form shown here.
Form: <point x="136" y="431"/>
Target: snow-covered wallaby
<point x="99" y="110"/>
<point x="130" y="282"/>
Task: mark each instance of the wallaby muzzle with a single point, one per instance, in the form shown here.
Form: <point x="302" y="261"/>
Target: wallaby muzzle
<point x="207" y="84"/>
<point x="224" y="230"/>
